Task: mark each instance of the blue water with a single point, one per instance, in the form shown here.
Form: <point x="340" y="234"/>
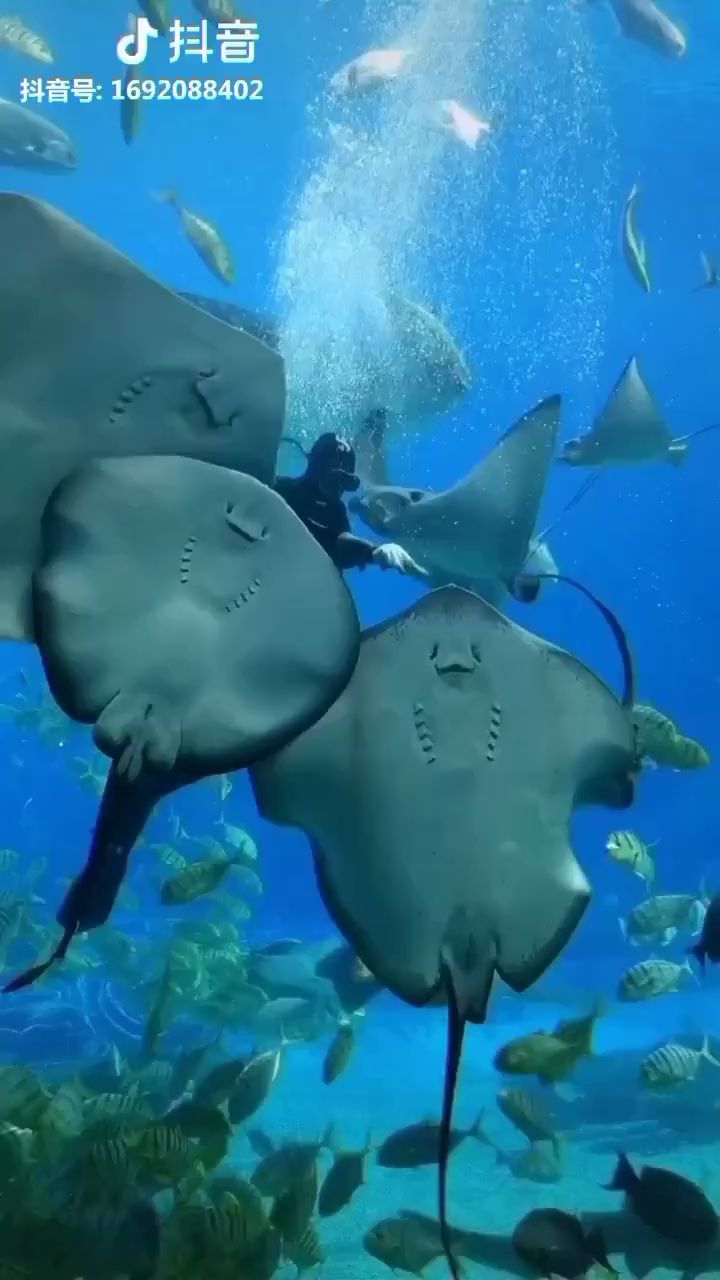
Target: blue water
<point x="518" y="245"/>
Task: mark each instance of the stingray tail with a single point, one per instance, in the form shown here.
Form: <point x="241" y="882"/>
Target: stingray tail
<point x="577" y="497"/>
<point x="296" y="443"/>
<point x="628" y="693"/>
<point x="29" y="976"/>
<point x="455" y="1035"/>
<point x="124" y="810"/>
<point x="685" y="440"/>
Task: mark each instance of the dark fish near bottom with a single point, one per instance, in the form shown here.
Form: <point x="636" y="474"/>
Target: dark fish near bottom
<point x="553" y="1242"/>
<point x="667" y="1202"/>
<point x="345" y="1176"/>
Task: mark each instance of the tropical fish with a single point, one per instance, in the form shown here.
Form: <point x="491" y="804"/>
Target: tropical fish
<point x="130" y="103"/>
<point x="553" y="1242"/>
<point x="627" y="847"/>
<point x="339" y="1052"/>
<point x="674" y="1064"/>
<point x="196" y="880"/>
<point x="644" y="21"/>
<point x="652" y="978"/>
<point x="16" y="36"/>
<point x="658" y="919"/>
<point x="529" y="1114"/>
<point x="661" y="741"/>
<point x="345" y="1176"/>
<point x="550" y="1055"/>
<point x="204" y="237"/>
<point x="419" y="1144"/>
<point x="667" y="1202"/>
<point x="537" y="1163"/>
<point x="633" y="247"/>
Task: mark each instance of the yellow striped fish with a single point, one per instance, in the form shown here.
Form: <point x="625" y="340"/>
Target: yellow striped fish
<point x="16" y="36"/>
<point x="674" y="1064"/>
<point x="627" y="847"/>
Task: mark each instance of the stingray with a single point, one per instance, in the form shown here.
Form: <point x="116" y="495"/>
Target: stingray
<point x="437" y="793"/>
<point x="629" y="429"/>
<point x="186" y="611"/>
<point x="379" y="497"/>
<point x="479" y="533"/>
<point x="98" y="359"/>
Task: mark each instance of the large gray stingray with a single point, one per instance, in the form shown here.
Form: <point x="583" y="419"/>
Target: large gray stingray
<point x="629" y="429"/>
<point x="478" y="533"/>
<point x="185" y="609"/>
<point x="98" y="359"/>
<point x="437" y="793"/>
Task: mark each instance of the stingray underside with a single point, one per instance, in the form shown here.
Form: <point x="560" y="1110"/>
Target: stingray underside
<point x="450" y="767"/>
<point x="187" y="611"/>
<point x="437" y="793"/>
<point x="98" y="359"/>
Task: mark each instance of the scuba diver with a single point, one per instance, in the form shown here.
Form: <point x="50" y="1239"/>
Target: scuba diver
<point x="316" y="497"/>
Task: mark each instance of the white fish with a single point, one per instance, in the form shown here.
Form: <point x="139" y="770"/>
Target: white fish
<point x="370" y="70"/>
<point x="461" y="123"/>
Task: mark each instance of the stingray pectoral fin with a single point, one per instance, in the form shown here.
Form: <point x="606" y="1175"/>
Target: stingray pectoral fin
<point x="555" y="893"/>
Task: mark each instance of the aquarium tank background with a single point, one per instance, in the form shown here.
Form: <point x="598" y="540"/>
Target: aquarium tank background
<point x="445" y="213"/>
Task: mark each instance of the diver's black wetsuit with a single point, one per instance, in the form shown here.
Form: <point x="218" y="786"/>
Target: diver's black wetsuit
<point x="316" y="497"/>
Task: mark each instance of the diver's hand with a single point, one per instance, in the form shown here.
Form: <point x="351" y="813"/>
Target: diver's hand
<point x="392" y="556"/>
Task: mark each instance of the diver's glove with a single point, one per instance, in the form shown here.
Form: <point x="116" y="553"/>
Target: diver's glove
<point x="392" y="556"/>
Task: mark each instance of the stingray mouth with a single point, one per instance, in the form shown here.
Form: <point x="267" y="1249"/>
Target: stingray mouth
<point x="454" y="667"/>
<point x="250" y="528"/>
